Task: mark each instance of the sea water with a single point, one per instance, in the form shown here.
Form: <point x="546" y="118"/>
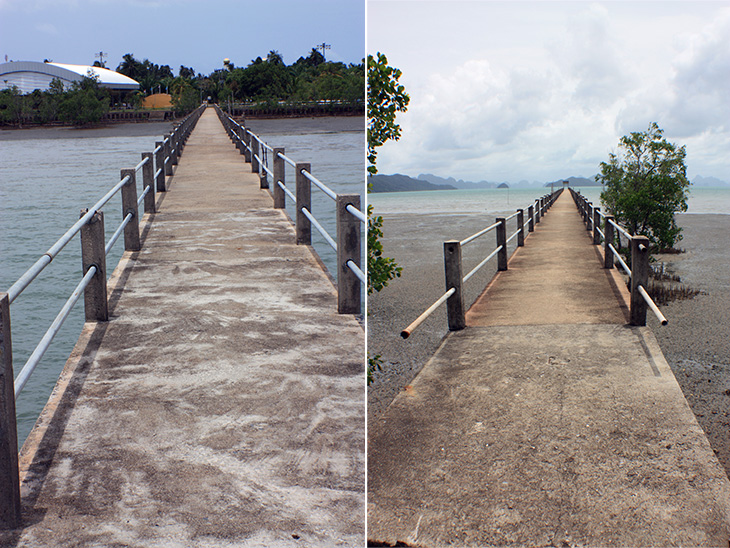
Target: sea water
<point x="500" y="200"/>
<point x="46" y="180"/>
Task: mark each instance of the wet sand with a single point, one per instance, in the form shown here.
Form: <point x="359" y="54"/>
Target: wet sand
<point x="696" y="342"/>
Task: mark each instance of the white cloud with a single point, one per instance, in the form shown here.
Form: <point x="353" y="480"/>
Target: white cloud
<point x="47" y="28"/>
<point x="553" y="86"/>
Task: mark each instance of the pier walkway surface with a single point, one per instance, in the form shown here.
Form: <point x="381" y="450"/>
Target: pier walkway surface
<point x="223" y="403"/>
<point x="548" y="421"/>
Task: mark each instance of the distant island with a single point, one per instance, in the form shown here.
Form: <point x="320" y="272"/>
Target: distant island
<point x="404" y="183"/>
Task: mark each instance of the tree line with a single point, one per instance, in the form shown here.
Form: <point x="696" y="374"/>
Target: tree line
<point x="264" y="80"/>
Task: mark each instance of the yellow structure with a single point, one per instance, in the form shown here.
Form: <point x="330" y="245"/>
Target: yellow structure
<point x="158" y="100"/>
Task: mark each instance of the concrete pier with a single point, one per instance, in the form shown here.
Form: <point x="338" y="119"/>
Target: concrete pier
<point x="548" y="421"/>
<point x="223" y="403"/>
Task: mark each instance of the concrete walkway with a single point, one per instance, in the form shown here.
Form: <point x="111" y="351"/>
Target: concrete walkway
<point x="223" y="404"/>
<point x="556" y="278"/>
<point x="548" y="423"/>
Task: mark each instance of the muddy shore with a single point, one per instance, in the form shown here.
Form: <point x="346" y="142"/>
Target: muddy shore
<point x="696" y="342"/>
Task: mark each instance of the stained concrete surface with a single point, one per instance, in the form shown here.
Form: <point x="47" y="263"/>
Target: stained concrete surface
<point x="572" y="435"/>
<point x="223" y="404"/>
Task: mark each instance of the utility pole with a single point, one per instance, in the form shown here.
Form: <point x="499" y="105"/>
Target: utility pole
<point x="323" y="46"/>
<point x="100" y="56"/>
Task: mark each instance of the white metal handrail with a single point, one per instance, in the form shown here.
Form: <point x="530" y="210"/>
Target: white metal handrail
<point x="52" y="331"/>
<point x="320" y="228"/>
<point x="287" y="191"/>
<point x="320" y="184"/>
<point x="477" y="267"/>
<point x="32" y="273"/>
<point x="355" y="212"/>
<point x="418" y="321"/>
<point x="480" y="233"/>
<point x="652" y="305"/>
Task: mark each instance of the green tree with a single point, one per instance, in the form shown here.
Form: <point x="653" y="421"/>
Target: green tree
<point x="14" y="108"/>
<point x="645" y="184"/>
<point x="275" y="58"/>
<point x="85" y="103"/>
<point x="185" y="98"/>
<point x="386" y="97"/>
<point x="186" y="72"/>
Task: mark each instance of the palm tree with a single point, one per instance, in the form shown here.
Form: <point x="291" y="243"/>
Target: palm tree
<point x="275" y="58"/>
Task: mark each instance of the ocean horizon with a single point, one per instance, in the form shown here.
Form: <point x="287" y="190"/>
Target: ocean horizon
<point x="702" y="200"/>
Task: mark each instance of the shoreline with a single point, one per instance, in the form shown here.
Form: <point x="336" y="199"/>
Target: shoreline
<point x="696" y="343"/>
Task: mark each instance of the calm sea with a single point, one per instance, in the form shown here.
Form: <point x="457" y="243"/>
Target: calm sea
<point x="495" y="201"/>
<point x="46" y="180"/>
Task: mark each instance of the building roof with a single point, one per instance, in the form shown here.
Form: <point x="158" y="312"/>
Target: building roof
<point x="31" y="75"/>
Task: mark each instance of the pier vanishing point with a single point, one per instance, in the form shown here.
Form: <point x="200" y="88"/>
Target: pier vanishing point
<point x="223" y="403"/>
<point x="545" y="418"/>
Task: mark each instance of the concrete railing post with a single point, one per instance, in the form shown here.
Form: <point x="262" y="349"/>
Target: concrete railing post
<point x="279" y="175"/>
<point x="589" y="216"/>
<point x="596" y="226"/>
<point x="168" y="160"/>
<point x="304" y="200"/>
<point x="9" y="478"/>
<point x="608" y="232"/>
<point x="263" y="175"/>
<point x="148" y="181"/>
<point x="239" y="141"/>
<point x="247" y="148"/>
<point x="254" y="154"/>
<point x="531" y="216"/>
<point x="454" y="278"/>
<point x="175" y="145"/>
<point x="520" y="228"/>
<point x="348" y="249"/>
<point x="639" y="277"/>
<point x="96" y="307"/>
<point x="129" y="205"/>
<point x="502" y="241"/>
<point x="160" y="165"/>
<point x="537" y="211"/>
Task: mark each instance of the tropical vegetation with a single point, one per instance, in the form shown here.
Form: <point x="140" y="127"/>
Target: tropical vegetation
<point x="645" y="184"/>
<point x="386" y="97"/>
<point x="268" y="80"/>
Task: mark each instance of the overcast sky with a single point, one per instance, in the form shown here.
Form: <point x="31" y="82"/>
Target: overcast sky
<point x="505" y="91"/>
<point x="180" y="32"/>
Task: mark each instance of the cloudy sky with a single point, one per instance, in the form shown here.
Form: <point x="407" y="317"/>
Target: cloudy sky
<point x="506" y="91"/>
<point x="180" y="32"/>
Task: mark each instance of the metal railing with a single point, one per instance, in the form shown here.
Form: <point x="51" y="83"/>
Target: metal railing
<point x="455" y="279"/>
<point x="608" y="232"/>
<point x="93" y="284"/>
<point x="270" y="163"/>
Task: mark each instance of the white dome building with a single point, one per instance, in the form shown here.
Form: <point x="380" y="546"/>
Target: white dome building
<point x="32" y="75"/>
